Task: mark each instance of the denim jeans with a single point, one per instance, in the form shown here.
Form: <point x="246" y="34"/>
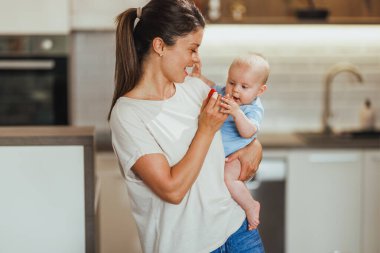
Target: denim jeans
<point x="242" y="241"/>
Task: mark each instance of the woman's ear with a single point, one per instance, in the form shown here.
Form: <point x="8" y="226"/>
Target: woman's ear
<point x="262" y="89"/>
<point x="158" y="46"/>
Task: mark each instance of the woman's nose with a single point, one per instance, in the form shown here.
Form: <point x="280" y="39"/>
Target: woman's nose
<point x="196" y="58"/>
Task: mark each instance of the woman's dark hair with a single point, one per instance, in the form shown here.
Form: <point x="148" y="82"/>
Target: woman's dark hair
<point x="167" y="19"/>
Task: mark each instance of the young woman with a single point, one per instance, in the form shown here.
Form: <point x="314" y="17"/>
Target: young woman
<point x="165" y="135"/>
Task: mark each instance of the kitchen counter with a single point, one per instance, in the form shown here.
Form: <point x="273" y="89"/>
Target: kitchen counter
<point x="52" y="135"/>
<point x="289" y="141"/>
<point x="313" y="140"/>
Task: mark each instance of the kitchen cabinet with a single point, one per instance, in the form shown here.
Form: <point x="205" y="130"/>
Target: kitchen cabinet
<point x="99" y="14"/>
<point x="280" y="12"/>
<point x="35" y="17"/>
<point x="117" y="231"/>
<point x="324" y="193"/>
<point x="371" y="203"/>
<point x="47" y="189"/>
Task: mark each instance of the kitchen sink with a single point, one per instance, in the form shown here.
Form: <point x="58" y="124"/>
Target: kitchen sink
<point x="341" y="135"/>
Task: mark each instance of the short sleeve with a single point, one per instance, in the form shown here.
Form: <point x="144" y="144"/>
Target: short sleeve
<point x="255" y="112"/>
<point x="220" y="89"/>
<point x="130" y="138"/>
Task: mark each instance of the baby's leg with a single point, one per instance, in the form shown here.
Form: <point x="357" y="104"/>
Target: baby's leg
<point x="241" y="194"/>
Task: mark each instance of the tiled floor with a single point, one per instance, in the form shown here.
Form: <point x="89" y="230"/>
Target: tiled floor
<point x="117" y="231"/>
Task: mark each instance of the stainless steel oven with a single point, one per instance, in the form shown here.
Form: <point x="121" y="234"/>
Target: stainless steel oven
<point x="33" y="80"/>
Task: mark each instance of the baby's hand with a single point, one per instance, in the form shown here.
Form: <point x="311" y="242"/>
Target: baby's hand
<point x="229" y="106"/>
<point x="196" y="71"/>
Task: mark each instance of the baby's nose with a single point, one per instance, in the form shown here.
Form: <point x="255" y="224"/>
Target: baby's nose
<point x="235" y="94"/>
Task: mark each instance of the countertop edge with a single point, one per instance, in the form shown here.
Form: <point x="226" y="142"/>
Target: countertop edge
<point x="47" y="135"/>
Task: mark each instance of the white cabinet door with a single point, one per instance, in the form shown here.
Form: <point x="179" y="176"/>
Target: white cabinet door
<point x="35" y="17"/>
<point x="117" y="228"/>
<point x="323" y="201"/>
<point x="371" y="205"/>
<point x="42" y="199"/>
<point x="99" y="14"/>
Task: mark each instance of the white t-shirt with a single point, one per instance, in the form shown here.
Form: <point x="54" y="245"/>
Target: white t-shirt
<point x="207" y="215"/>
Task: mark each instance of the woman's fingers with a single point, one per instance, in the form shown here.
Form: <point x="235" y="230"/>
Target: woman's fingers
<point x="212" y="102"/>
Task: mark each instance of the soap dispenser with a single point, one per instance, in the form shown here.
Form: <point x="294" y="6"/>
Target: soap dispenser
<point x="367" y="117"/>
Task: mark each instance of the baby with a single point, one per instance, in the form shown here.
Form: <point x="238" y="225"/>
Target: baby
<point x="247" y="77"/>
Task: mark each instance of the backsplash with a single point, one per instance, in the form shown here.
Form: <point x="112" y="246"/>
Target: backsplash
<point x="299" y="55"/>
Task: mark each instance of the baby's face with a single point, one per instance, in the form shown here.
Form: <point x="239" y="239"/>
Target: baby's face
<point x="244" y="83"/>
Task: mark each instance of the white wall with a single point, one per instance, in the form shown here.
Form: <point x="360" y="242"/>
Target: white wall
<point x="300" y="56"/>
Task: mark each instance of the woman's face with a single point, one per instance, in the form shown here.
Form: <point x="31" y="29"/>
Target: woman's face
<point x="184" y="53"/>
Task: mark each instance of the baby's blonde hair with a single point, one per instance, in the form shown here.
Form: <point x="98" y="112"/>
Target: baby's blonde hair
<point x="252" y="60"/>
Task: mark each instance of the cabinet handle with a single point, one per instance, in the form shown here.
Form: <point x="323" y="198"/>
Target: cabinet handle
<point x="26" y="64"/>
<point x="333" y="158"/>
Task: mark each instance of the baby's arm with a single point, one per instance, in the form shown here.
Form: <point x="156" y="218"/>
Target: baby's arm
<point x="244" y="125"/>
<point x="196" y="72"/>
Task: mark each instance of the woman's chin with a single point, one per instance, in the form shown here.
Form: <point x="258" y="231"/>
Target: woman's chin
<point x="181" y="79"/>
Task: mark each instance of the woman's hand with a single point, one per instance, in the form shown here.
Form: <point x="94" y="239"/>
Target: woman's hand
<point x="249" y="157"/>
<point x="211" y="118"/>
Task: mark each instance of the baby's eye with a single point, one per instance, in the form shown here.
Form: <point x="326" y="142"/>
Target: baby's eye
<point x="244" y="87"/>
<point x="232" y="83"/>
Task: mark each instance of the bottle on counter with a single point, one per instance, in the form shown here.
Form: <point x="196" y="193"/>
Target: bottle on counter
<point x="367" y="117"/>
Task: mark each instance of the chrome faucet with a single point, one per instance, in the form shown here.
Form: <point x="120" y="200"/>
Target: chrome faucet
<point x="331" y="73"/>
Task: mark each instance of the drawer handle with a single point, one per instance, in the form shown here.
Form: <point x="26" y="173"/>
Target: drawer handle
<point x="27" y="64"/>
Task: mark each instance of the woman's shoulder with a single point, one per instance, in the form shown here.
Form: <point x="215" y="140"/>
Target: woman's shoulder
<point x="124" y="110"/>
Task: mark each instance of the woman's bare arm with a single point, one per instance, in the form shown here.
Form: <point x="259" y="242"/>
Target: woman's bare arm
<point x="172" y="183"/>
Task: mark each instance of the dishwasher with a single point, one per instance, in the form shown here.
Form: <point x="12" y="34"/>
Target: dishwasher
<point x="268" y="187"/>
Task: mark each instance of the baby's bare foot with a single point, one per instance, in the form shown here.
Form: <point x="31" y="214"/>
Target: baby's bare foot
<point x="253" y="216"/>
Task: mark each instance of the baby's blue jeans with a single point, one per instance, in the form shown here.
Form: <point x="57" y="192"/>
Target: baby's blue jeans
<point x="242" y="241"/>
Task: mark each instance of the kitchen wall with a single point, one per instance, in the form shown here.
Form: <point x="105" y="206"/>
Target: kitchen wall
<point x="300" y="56"/>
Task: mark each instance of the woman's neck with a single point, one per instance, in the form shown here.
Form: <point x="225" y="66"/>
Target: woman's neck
<point x="152" y="86"/>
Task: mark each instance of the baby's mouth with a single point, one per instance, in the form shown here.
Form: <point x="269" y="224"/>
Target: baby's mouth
<point x="236" y="99"/>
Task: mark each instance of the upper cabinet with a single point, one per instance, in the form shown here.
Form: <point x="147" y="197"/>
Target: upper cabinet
<point x="99" y="14"/>
<point x="291" y="11"/>
<point x="35" y="17"/>
<point x="63" y="16"/>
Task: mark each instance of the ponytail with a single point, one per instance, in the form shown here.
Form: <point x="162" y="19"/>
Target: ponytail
<point x="127" y="65"/>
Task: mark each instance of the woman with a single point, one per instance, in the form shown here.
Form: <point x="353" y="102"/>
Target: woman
<point x="167" y="141"/>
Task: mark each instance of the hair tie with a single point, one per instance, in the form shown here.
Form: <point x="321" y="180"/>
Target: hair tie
<point x="139" y="12"/>
<point x="138" y="16"/>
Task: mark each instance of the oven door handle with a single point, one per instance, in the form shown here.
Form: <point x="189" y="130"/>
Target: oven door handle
<point x="27" y="64"/>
